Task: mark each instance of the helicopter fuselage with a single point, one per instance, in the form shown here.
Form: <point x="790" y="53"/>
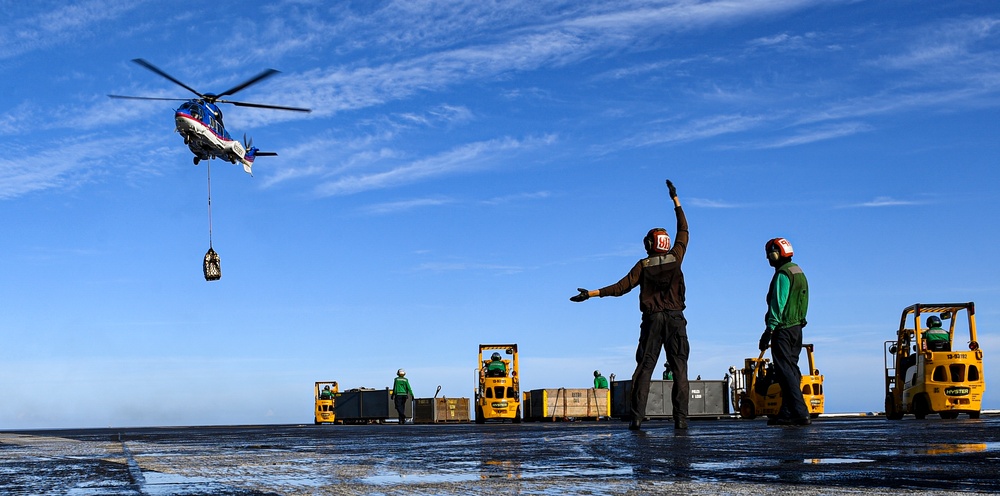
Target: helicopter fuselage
<point x="200" y="124"/>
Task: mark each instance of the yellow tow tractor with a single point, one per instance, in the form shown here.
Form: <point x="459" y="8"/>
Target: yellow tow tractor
<point x="762" y="395"/>
<point x="925" y="376"/>
<point x="498" y="389"/>
<point x="325" y="393"/>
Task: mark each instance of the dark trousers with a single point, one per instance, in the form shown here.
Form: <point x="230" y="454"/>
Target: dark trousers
<point x="667" y="330"/>
<point x="786" y="346"/>
<point x="400" y="400"/>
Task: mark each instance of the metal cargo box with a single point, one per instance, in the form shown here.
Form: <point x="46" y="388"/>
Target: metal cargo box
<point x="551" y="404"/>
<point x="430" y="410"/>
<point x="708" y="399"/>
<point x="369" y="405"/>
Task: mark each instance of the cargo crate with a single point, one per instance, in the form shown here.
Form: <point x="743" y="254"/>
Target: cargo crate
<point x="567" y="403"/>
<point x="440" y="410"/>
<point x="368" y="406"/>
<point x="707" y="399"/>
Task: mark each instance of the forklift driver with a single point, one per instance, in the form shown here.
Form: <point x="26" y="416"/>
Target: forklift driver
<point x="496" y="367"/>
<point x="937" y="338"/>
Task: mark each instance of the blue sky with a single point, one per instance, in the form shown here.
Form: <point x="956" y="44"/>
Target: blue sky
<point x="468" y="165"/>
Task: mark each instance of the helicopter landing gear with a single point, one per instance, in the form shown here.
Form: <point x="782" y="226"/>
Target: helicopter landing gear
<point x="196" y="160"/>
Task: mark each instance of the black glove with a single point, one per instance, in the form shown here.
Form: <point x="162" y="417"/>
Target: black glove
<point x="584" y="294"/>
<point x="672" y="189"/>
<point x="765" y="340"/>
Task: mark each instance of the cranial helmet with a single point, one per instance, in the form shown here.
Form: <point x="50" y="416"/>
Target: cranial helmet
<point x="656" y="241"/>
<point x="401" y="372"/>
<point x="597" y="373"/>
<point x="778" y="248"/>
<point x="495" y="356"/>
<point x="933" y="321"/>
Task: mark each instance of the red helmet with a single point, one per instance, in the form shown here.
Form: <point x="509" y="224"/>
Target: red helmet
<point x="778" y="248"/>
<point x="657" y="241"/>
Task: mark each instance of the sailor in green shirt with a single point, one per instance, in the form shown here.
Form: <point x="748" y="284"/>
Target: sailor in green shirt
<point x="937" y="338"/>
<point x="326" y="393"/>
<point x="496" y="367"/>
<point x="787" y="302"/>
<point x="401" y="393"/>
<point x="600" y="382"/>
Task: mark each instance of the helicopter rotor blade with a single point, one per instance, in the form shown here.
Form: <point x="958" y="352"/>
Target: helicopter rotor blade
<point x="125" y="97"/>
<point x="159" y="71"/>
<point x="254" y="80"/>
<point x="264" y="106"/>
<point x="266" y="154"/>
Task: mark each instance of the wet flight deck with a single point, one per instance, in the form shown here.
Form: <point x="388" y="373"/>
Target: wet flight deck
<point x="866" y="455"/>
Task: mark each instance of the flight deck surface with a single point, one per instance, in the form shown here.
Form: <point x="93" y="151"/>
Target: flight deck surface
<point x="832" y="456"/>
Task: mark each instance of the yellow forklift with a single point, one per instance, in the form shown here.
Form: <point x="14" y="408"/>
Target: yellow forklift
<point x="762" y="395"/>
<point x="325" y="398"/>
<point x="925" y="376"/>
<point x="498" y="389"/>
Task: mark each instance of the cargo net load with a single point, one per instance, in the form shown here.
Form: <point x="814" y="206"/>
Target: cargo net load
<point x="212" y="266"/>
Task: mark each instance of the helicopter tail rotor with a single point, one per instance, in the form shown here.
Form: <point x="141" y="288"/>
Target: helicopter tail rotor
<point x="253" y="151"/>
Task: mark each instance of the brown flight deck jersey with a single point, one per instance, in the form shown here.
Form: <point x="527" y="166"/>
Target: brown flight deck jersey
<point x="659" y="276"/>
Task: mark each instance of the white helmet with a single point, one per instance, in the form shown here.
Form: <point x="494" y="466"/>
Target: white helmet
<point x="401" y="372"/>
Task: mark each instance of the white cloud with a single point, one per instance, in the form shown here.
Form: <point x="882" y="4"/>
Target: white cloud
<point x="884" y="201"/>
<point x="468" y="266"/>
<point x="403" y="205"/>
<point x="813" y="135"/>
<point x="500" y="200"/>
<point x="706" y="203"/>
<point x="464" y="158"/>
<point x="62" y="166"/>
<point x="66" y="23"/>
<point x="697" y="129"/>
<point x="552" y="41"/>
<point x="954" y="42"/>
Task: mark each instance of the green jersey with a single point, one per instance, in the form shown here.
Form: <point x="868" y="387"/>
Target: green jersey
<point x="401" y="387"/>
<point x="600" y="382"/>
<point x="497" y="367"/>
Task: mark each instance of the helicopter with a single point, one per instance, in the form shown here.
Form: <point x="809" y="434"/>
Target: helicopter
<point x="199" y="121"/>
